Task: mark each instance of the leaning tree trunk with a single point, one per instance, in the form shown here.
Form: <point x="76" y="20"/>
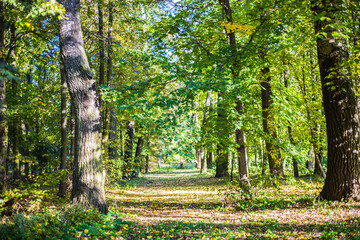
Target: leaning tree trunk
<point x="340" y="106"/>
<point x="89" y="175"/>
<point x="3" y="105"/>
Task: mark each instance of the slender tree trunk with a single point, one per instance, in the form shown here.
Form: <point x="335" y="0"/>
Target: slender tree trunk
<point x="89" y="175"/>
<point x="291" y="138"/>
<point x="104" y="110"/>
<point x="203" y="168"/>
<point x="239" y="133"/>
<point x="3" y="105"/>
<point x="113" y="123"/>
<point x="128" y="155"/>
<point x="264" y="159"/>
<point x="222" y="159"/>
<point x="341" y="113"/>
<point x="209" y="160"/>
<point x="15" y="118"/>
<point x="138" y="158"/>
<point x="147" y="164"/>
<point x="272" y="150"/>
<point x="63" y="147"/>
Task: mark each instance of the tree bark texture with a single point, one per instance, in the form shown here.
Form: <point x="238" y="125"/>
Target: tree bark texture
<point x="89" y="175"/>
<point x="340" y="106"/>
<point x="272" y="150"/>
<point x="3" y="105"/>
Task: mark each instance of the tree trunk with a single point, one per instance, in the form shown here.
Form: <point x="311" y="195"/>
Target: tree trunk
<point x="203" y="168"/>
<point x="222" y="159"/>
<point x="113" y="123"/>
<point x="291" y="138"/>
<point x="138" y="158"/>
<point x="340" y="106"/>
<point x="128" y="155"/>
<point x="3" y="105"/>
<point x="241" y="149"/>
<point x="89" y="175"/>
<point x="269" y="128"/>
<point x="239" y="133"/>
<point x="209" y="160"/>
<point x="63" y="147"/>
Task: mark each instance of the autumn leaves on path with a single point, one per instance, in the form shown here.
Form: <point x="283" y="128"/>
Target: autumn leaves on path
<point x="183" y="204"/>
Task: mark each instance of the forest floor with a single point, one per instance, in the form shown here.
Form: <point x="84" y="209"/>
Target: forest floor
<point x="183" y="204"/>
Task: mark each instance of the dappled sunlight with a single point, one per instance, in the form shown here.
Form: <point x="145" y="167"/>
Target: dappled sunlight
<point x="186" y="199"/>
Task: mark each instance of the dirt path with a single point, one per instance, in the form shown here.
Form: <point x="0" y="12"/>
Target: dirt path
<point x="184" y="204"/>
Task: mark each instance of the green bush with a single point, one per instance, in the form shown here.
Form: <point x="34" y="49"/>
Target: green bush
<point x="69" y="223"/>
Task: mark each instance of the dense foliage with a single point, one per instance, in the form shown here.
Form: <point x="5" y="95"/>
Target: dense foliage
<point x="237" y="88"/>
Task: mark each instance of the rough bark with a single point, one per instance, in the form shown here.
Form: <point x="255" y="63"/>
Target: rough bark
<point x="63" y="146"/>
<point x="89" y="175"/>
<point x="3" y="105"/>
<point x="340" y="106"/>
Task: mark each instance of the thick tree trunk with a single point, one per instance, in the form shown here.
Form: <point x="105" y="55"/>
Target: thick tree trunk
<point x="89" y="175"/>
<point x="63" y="147"/>
<point x="3" y="105"/>
<point x="272" y="150"/>
<point x="342" y="121"/>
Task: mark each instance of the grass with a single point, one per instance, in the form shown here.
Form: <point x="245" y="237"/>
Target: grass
<point x="182" y="204"/>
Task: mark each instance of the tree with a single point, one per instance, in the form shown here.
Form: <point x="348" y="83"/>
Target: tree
<point x="3" y="106"/>
<point x="89" y="175"/>
<point x="63" y="146"/>
<point x="340" y="106"/>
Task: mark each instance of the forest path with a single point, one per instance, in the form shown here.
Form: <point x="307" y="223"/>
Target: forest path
<point x="184" y="204"/>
